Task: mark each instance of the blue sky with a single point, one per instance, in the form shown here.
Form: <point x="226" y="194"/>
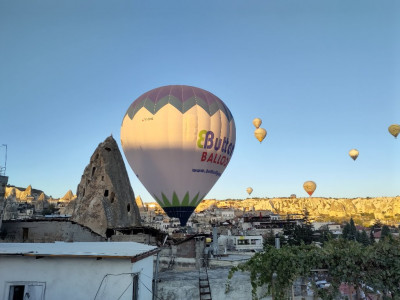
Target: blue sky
<point x="324" y="76"/>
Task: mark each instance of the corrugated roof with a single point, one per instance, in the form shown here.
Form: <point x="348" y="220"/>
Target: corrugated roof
<point x="80" y="249"/>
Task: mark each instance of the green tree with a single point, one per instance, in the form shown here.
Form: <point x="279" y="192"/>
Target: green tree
<point x="376" y="266"/>
<point x="346" y="231"/>
<point x="364" y="238"/>
<point x="385" y="232"/>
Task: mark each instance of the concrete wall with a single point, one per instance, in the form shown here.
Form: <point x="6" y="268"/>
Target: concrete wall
<point x="78" y="278"/>
<point x="46" y="231"/>
<point x="175" y="285"/>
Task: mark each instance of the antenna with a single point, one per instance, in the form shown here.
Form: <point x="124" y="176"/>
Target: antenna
<point x="3" y="169"/>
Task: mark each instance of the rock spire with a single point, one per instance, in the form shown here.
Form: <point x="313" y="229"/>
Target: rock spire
<point x="105" y="199"/>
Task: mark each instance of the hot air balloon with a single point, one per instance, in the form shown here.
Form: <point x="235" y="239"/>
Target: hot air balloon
<point x="394" y="130"/>
<point x="260" y="134"/>
<point x="353" y="153"/>
<point x="309" y="187"/>
<point x="249" y="190"/>
<point x="257" y="122"/>
<point x="178" y="141"/>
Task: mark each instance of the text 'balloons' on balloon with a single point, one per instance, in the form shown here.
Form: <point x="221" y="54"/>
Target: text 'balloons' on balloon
<point x="249" y="190"/>
<point x="178" y="141"/>
<point x="309" y="187"/>
<point x="257" y="122"/>
<point x="260" y="134"/>
<point x="394" y="130"/>
<point x="353" y="153"/>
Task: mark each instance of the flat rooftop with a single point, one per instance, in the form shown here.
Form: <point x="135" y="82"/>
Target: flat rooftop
<point x="79" y="249"/>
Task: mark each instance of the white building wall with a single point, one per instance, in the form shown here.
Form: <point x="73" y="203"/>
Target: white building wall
<point x="79" y="278"/>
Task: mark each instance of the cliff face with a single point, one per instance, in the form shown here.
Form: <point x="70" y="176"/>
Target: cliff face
<point x="105" y="198"/>
<point x="378" y="208"/>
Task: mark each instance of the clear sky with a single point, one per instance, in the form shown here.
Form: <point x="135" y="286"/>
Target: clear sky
<point x="324" y="76"/>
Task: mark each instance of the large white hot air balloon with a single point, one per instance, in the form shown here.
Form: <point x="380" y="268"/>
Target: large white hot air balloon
<point x="178" y="141"/>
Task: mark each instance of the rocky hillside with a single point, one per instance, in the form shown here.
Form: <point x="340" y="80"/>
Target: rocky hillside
<point x="319" y="208"/>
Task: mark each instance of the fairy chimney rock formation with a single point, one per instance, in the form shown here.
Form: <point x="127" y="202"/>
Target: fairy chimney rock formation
<point x="105" y="199"/>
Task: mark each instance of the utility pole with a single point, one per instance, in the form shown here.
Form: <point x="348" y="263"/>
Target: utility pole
<point x="3" y="169"/>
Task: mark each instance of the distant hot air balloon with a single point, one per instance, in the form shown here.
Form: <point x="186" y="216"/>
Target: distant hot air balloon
<point x="257" y="122"/>
<point x="178" y="141"/>
<point x="260" y="134"/>
<point x="249" y="190"/>
<point x="353" y="153"/>
<point x="309" y="187"/>
<point x="394" y="130"/>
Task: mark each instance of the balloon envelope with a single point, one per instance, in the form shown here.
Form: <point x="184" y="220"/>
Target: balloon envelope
<point x="353" y="153"/>
<point x="394" y="130"/>
<point x="257" y="122"/>
<point x="260" y="134"/>
<point x="309" y="187"/>
<point x="178" y="141"/>
<point x="249" y="190"/>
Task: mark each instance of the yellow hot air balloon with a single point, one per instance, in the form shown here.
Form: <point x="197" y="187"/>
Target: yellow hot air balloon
<point x="249" y="190"/>
<point x="353" y="153"/>
<point x="260" y="134"/>
<point x="178" y="140"/>
<point x="257" y="122"/>
<point x="394" y="130"/>
<point x="309" y="187"/>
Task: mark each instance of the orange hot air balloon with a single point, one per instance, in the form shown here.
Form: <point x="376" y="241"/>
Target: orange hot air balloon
<point x="249" y="190"/>
<point x="257" y="122"/>
<point x="353" y="153"/>
<point x="394" y="130"/>
<point x="260" y="134"/>
<point x="309" y="187"/>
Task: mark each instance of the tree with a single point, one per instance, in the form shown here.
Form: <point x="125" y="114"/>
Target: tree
<point x="376" y="266"/>
<point x="346" y="231"/>
<point x="298" y="234"/>
<point x="364" y="238"/>
<point x="385" y="232"/>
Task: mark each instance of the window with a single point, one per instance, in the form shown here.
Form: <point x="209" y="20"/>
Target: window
<point x="128" y="207"/>
<point x="93" y="170"/>
<point x="25" y="290"/>
<point x="25" y="234"/>
<point x="105" y="193"/>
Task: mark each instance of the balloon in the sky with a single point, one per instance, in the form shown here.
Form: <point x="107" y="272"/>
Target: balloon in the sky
<point x="257" y="122"/>
<point x="309" y="187"/>
<point x="353" y="153"/>
<point x="394" y="130"/>
<point x="178" y="141"/>
<point x="249" y="190"/>
<point x="260" y="134"/>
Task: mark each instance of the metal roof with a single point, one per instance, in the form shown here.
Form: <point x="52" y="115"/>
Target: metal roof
<point x="80" y="249"/>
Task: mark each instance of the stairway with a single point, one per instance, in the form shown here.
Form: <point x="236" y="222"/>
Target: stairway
<point x="204" y="284"/>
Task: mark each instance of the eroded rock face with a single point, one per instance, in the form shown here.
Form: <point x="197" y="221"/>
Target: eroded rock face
<point x="105" y="199"/>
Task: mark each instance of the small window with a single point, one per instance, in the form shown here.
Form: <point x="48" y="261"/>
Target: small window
<point x="23" y="290"/>
<point x="112" y="197"/>
<point x="94" y="169"/>
<point x="83" y="194"/>
<point x="17" y="292"/>
<point x="105" y="193"/>
<point x="128" y="207"/>
<point x="102" y="178"/>
<point x="107" y="149"/>
<point x="25" y="234"/>
<point x="97" y="156"/>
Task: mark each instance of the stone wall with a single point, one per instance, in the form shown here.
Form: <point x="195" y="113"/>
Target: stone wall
<point x="46" y="231"/>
